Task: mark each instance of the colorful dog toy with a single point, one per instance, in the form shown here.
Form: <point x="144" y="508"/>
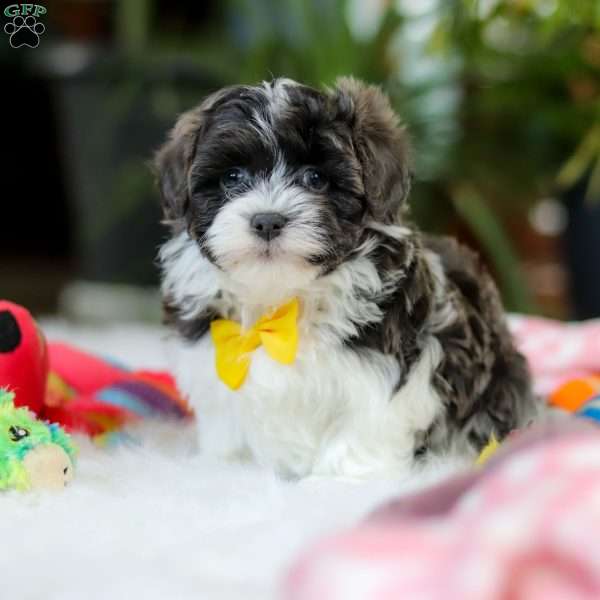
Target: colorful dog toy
<point x="33" y="454"/>
<point x="23" y="356"/>
<point x="96" y="396"/>
<point x="80" y="391"/>
<point x="579" y="396"/>
<point x="575" y="394"/>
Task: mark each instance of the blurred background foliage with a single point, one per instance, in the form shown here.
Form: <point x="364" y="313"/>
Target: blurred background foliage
<point x="501" y="97"/>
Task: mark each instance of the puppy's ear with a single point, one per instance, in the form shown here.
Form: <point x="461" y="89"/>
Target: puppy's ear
<point x="173" y="161"/>
<point x="380" y="142"/>
<point x="172" y="164"/>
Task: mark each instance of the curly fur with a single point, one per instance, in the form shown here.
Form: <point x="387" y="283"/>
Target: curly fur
<point x="404" y="352"/>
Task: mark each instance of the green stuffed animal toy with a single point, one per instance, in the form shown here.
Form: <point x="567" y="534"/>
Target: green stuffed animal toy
<point x="33" y="454"/>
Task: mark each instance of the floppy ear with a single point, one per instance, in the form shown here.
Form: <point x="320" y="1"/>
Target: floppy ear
<point x="173" y="161"/>
<point x="380" y="142"/>
<point x="172" y="165"/>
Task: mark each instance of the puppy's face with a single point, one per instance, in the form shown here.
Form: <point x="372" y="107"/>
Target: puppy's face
<point x="277" y="183"/>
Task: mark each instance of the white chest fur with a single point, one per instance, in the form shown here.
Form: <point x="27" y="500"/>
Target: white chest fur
<point x="334" y="410"/>
<point x="331" y="413"/>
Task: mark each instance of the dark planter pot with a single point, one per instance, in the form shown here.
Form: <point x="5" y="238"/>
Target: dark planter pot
<point x="113" y="115"/>
<point x="582" y="251"/>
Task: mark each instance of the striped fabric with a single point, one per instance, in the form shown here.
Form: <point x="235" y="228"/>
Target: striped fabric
<point x="99" y="397"/>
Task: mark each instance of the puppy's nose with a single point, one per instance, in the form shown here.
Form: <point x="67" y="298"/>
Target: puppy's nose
<point x="267" y="225"/>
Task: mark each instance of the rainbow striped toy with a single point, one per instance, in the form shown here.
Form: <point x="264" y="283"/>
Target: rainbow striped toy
<point x="78" y="390"/>
<point x="99" y="396"/>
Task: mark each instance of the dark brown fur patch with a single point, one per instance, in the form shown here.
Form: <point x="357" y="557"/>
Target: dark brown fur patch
<point x="381" y="145"/>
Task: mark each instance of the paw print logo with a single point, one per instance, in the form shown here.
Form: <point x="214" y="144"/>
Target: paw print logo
<point x="24" y="31"/>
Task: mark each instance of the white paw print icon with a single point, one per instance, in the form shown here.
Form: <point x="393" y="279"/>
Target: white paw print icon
<point x="24" y="31"/>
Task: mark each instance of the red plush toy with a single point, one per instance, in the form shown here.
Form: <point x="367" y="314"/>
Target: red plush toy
<point x="23" y="356"/>
<point x="80" y="391"/>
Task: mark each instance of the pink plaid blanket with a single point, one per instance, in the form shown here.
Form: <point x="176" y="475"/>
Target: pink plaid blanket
<point x="525" y="527"/>
<point x="556" y="351"/>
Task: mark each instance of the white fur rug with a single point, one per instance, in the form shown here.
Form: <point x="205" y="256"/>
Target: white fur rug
<point x="158" y="521"/>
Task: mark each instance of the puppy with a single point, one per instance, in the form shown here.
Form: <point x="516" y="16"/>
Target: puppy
<point x="280" y="193"/>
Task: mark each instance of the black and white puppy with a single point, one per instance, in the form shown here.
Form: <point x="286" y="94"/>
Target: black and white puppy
<point x="280" y="191"/>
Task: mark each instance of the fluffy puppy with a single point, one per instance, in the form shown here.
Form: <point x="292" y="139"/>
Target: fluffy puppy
<point x="282" y="191"/>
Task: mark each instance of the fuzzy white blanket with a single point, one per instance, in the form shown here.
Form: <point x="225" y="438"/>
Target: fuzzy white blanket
<point x="155" y="520"/>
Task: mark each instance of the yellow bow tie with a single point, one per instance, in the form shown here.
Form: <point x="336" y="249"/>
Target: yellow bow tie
<point x="276" y="331"/>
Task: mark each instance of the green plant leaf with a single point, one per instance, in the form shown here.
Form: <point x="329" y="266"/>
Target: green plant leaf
<point x="484" y="224"/>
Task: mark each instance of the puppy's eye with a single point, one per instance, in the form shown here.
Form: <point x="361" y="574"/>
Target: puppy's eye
<point x="17" y="433"/>
<point x="314" y="180"/>
<point x="234" y="177"/>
